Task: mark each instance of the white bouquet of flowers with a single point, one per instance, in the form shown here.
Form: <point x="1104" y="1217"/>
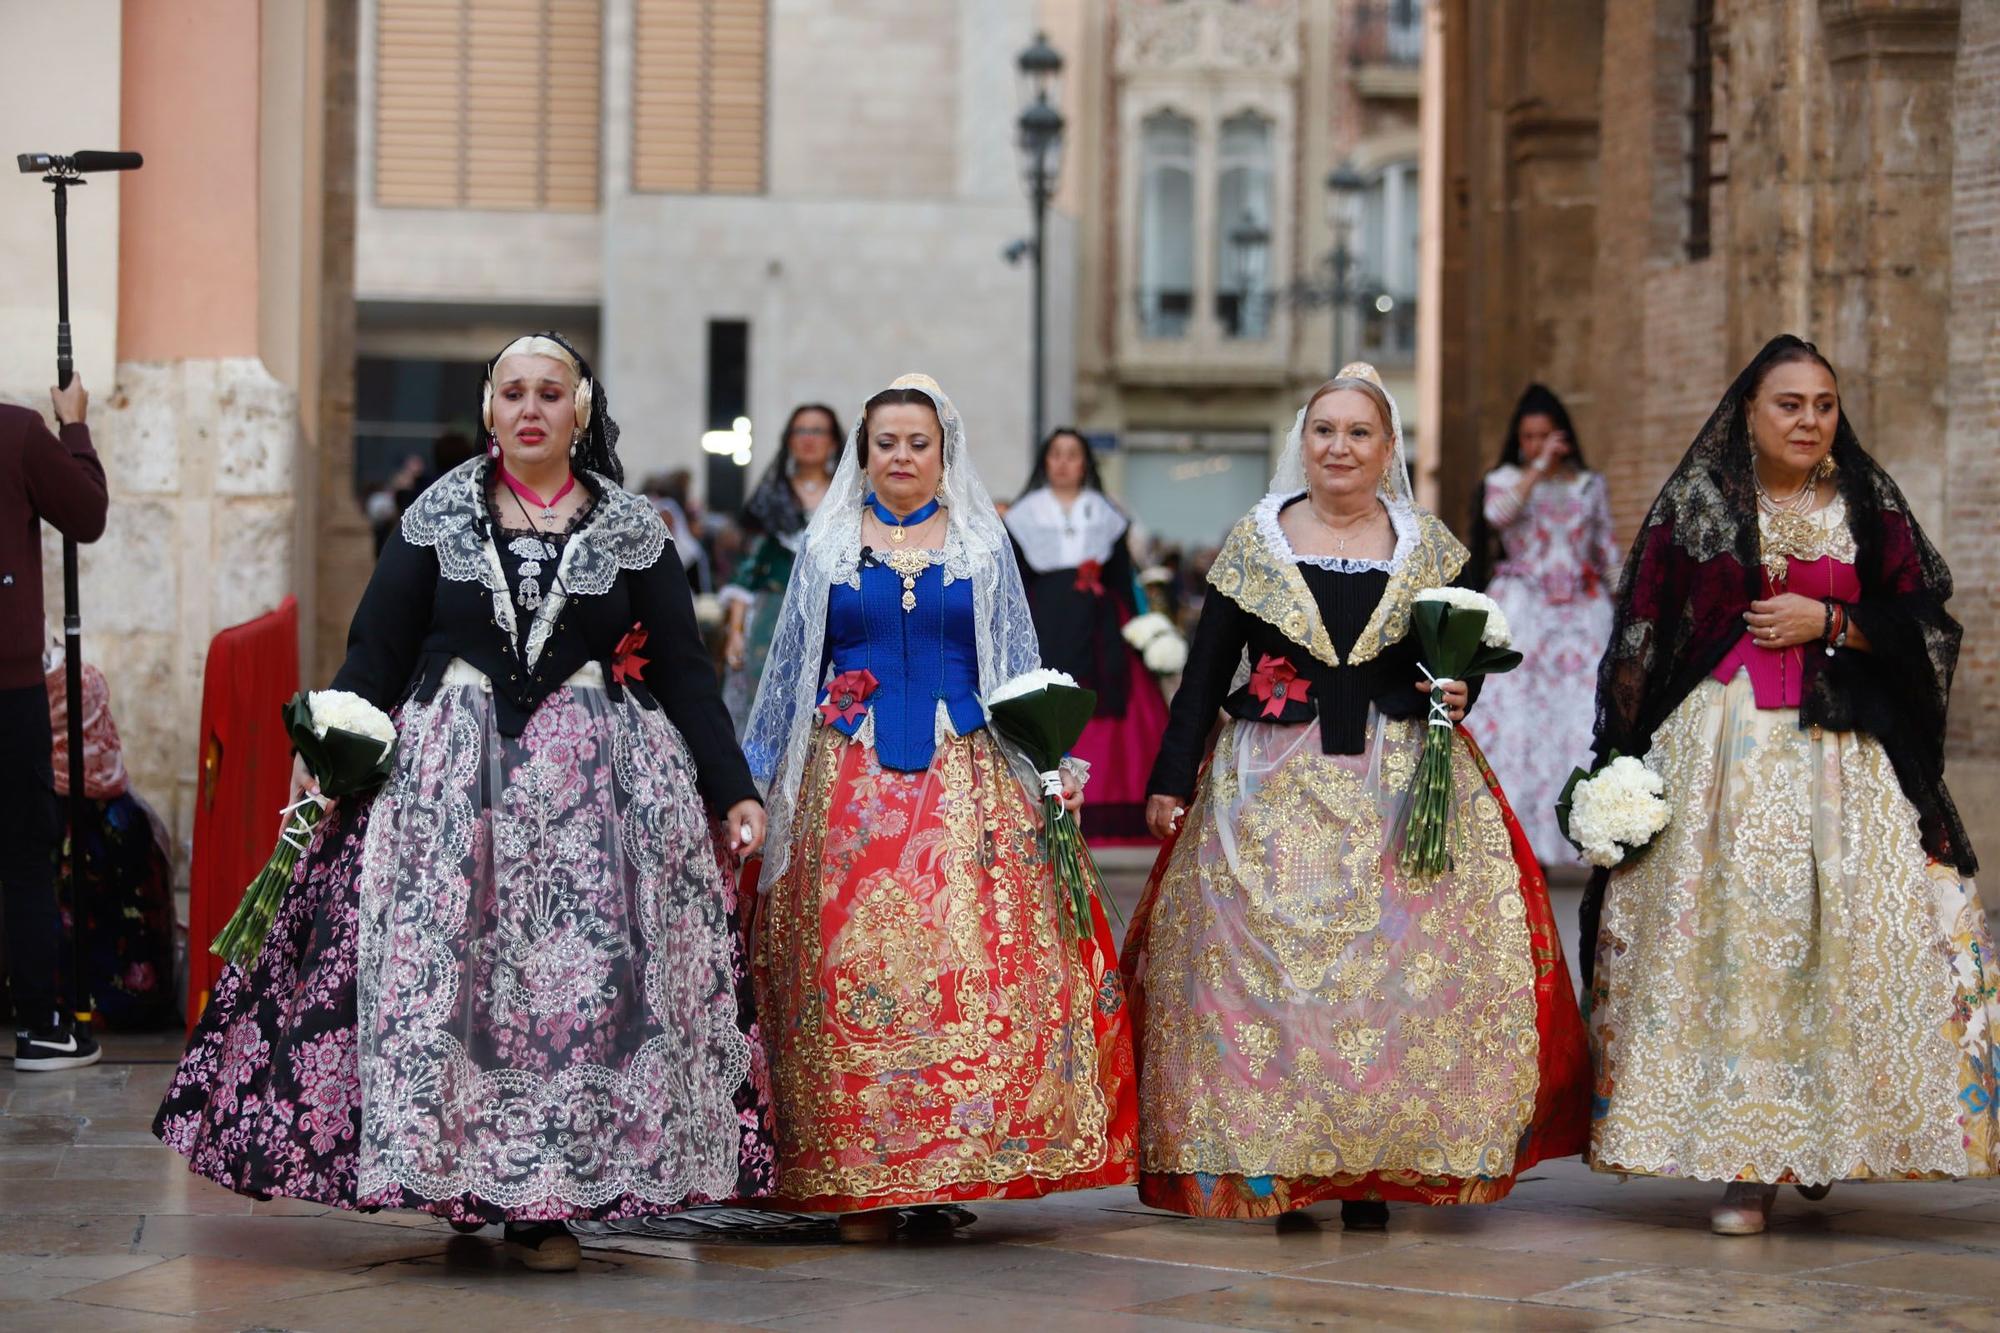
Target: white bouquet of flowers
<point x="1157" y="642"/>
<point x="1613" y="813"/>
<point x="1041" y="713"/>
<point x="349" y="744"/>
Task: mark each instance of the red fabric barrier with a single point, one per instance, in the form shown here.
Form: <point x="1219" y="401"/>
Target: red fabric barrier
<point x="245" y="768"/>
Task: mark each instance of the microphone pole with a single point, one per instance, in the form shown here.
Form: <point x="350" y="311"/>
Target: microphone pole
<point x="63" y="172"/>
<point x="79" y="986"/>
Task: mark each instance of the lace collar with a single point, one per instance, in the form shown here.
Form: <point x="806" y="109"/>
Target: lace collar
<point x="1402" y="521"/>
<point x="1258" y="570"/>
<point x="1050" y="535"/>
<point x="620" y="532"/>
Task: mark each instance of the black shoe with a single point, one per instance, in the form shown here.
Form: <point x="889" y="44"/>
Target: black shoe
<point x="544" y="1247"/>
<point x="60" y="1045"/>
<point x="1364" y="1215"/>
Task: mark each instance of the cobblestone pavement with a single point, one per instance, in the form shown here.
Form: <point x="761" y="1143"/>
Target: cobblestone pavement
<point x="101" y="1228"/>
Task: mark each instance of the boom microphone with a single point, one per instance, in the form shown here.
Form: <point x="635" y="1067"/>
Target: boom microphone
<point x="75" y="164"/>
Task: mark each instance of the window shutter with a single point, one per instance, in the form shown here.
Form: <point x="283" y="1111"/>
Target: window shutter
<point x="487" y="104"/>
<point x="698" y="93"/>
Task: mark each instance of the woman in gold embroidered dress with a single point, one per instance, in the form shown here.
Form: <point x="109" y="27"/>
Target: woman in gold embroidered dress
<point x="936" y="1032"/>
<point x="1313" y="1024"/>
<point x="1795" y="983"/>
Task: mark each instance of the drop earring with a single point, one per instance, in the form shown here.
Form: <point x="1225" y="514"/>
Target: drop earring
<point x="492" y="446"/>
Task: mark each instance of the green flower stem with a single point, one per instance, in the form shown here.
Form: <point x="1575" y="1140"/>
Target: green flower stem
<point x="242" y="939"/>
<point x="1426" y="843"/>
<point x="1074" y="868"/>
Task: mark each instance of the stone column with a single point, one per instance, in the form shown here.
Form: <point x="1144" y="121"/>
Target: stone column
<point x="342" y="553"/>
<point x="1881" y="271"/>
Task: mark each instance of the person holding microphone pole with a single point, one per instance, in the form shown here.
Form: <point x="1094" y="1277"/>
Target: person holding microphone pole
<point x="57" y="479"/>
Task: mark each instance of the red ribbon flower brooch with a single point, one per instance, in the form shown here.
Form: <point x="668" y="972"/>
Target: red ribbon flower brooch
<point x="626" y="664"/>
<point x="847" y="696"/>
<point x="1276" y="682"/>
<point x="1089" y="577"/>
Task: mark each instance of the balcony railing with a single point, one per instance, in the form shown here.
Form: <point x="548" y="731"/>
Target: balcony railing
<point x="1164" y="312"/>
<point x="1387" y="32"/>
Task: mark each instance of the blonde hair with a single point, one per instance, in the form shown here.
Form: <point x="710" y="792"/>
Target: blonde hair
<point x="535" y="344"/>
<point x="1351" y="378"/>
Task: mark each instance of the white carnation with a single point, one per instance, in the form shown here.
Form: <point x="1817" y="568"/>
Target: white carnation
<point x="708" y="611"/>
<point x="1497" y="633"/>
<point x="344" y="710"/>
<point x="1142" y="630"/>
<point x="1618" y="809"/>
<point x="1028" y="682"/>
<point x="1166" y="655"/>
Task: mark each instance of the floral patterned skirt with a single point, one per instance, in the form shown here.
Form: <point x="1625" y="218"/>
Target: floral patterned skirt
<point x="1787" y="988"/>
<point x="1312" y="1024"/>
<point x="1535" y="722"/>
<point x="936" y="1035"/>
<point x="508" y="987"/>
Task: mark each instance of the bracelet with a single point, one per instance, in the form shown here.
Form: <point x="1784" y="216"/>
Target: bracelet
<point x="1827" y="633"/>
<point x="1836" y="625"/>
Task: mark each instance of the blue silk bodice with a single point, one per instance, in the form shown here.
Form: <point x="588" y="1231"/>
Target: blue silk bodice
<point x="919" y="658"/>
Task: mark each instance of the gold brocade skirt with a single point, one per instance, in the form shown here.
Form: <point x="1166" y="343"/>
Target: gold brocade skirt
<point x="936" y="1034"/>
<point x="1315" y="1024"/>
<point x="1787" y="988"/>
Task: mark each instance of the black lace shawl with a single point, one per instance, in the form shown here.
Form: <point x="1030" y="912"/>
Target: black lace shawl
<point x="1696" y="566"/>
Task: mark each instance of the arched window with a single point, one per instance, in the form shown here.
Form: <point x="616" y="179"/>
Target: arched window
<point x="1166" y="224"/>
<point x="1243" y="226"/>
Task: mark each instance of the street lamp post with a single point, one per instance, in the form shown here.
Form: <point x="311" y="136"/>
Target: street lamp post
<point x="1040" y="140"/>
<point x="1343" y="185"/>
<point x="1341" y="289"/>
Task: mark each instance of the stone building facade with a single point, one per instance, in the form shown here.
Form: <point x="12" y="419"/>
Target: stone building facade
<point x="214" y="317"/>
<point x="1637" y="194"/>
<point x="819" y="192"/>
<point x="1207" y="131"/>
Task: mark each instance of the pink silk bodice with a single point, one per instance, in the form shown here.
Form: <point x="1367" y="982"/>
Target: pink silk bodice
<point x="1778" y="674"/>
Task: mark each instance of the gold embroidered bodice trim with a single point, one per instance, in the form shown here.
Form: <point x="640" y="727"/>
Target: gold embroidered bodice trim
<point x="1266" y="582"/>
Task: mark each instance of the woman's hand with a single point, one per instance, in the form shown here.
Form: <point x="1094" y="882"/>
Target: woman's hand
<point x="1786" y="621"/>
<point x="745" y="825"/>
<point x="1072" y="797"/>
<point x="303" y="781"/>
<point x="1163" y="815"/>
<point x="733" y="648"/>
<point x="1456" y="695"/>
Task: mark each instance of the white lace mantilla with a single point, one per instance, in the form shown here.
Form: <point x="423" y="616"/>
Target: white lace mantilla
<point x="1402" y="519"/>
<point x="622" y="532"/>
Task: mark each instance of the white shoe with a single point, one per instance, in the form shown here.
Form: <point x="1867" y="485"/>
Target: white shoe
<point x="1745" y="1209"/>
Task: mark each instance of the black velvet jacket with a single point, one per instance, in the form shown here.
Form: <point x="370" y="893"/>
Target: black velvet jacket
<point x="438" y="592"/>
<point x="1343" y="634"/>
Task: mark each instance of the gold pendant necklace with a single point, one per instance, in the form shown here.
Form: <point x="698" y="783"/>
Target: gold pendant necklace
<point x="908" y="565"/>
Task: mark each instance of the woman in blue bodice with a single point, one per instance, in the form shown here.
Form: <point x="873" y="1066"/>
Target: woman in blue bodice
<point x="937" y="1033"/>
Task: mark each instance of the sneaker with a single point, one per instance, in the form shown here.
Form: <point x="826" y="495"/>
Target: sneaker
<point x="60" y="1045"/>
